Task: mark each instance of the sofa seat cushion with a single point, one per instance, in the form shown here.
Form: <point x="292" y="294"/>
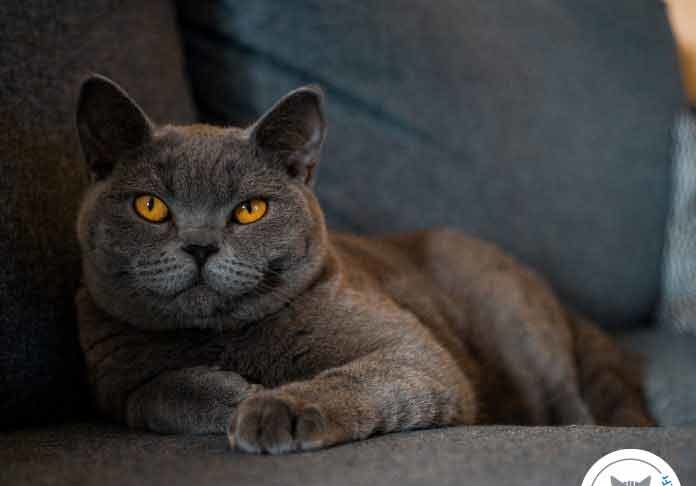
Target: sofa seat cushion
<point x="93" y="452"/>
<point x="99" y="454"/>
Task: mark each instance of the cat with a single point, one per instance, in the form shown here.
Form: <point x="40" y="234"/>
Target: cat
<point x="616" y="482"/>
<point x="214" y="299"/>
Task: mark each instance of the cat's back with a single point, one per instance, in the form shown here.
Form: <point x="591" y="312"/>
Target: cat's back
<point x="430" y="255"/>
<point x="419" y="271"/>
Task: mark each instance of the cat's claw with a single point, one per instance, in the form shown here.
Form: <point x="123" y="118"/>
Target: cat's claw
<point x="276" y="423"/>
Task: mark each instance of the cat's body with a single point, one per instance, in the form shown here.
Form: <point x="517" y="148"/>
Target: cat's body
<point x="290" y="337"/>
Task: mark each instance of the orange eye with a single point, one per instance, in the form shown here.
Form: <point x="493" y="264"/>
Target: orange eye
<point x="151" y="208"/>
<point x="250" y="211"/>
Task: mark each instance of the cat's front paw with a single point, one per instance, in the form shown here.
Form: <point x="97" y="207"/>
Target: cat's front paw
<point x="276" y="423"/>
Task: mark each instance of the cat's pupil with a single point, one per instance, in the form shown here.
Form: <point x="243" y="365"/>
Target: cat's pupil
<point x="246" y="206"/>
<point x="150" y="203"/>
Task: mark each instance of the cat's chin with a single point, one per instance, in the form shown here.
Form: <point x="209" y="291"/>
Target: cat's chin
<point x="201" y="306"/>
<point x="200" y="301"/>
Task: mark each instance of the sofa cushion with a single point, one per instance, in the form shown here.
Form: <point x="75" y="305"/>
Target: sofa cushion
<point x="47" y="48"/>
<point x="94" y="454"/>
<point x="678" y="299"/>
<point x="543" y="125"/>
<point x="669" y="364"/>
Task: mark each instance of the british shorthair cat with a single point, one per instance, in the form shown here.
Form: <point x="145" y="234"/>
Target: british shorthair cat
<point x="215" y="300"/>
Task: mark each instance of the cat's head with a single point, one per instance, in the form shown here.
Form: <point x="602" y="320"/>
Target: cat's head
<point x="616" y="482"/>
<point x="198" y="226"/>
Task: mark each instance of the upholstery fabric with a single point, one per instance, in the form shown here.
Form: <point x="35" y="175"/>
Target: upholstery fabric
<point x="97" y="454"/>
<point x="669" y="364"/>
<point x="46" y="49"/>
<point x="543" y="125"/>
<point x="678" y="304"/>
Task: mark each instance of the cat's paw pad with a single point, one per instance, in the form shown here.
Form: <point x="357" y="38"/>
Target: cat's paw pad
<point x="275" y="424"/>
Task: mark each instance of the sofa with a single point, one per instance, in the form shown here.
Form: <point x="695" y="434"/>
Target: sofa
<point x="542" y="125"/>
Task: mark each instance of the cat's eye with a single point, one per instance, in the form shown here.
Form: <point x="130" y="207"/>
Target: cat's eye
<point x="250" y="211"/>
<point x="151" y="208"/>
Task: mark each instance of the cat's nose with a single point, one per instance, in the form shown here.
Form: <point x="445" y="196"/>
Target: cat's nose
<point x="200" y="252"/>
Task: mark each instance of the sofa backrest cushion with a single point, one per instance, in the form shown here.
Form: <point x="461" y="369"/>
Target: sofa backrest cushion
<point x="47" y="49"/>
<point x="543" y="125"/>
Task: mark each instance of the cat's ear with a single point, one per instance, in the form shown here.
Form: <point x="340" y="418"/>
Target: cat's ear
<point x="616" y="482"/>
<point x="292" y="132"/>
<point x="645" y="482"/>
<point x="109" y="124"/>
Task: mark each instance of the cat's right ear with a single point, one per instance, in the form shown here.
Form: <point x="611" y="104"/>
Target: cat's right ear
<point x="292" y="131"/>
<point x="109" y="124"/>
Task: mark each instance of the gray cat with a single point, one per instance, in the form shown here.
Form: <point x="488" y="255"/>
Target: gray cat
<point x="215" y="299"/>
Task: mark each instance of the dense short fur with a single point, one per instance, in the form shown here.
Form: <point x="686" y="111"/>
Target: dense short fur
<point x="289" y="337"/>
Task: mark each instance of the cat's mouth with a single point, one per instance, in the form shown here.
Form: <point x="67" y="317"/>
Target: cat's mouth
<point x="201" y="299"/>
<point x="198" y="286"/>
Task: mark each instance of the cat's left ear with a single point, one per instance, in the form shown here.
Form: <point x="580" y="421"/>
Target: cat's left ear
<point x="293" y="131"/>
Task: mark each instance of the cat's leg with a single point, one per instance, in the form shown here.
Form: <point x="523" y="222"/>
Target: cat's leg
<point x="515" y="323"/>
<point x="568" y="370"/>
<point x="193" y="400"/>
<point x="156" y="382"/>
<point x="400" y="388"/>
<point x="611" y="380"/>
<point x="519" y="323"/>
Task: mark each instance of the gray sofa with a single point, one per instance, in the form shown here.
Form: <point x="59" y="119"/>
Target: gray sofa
<point x="543" y="125"/>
